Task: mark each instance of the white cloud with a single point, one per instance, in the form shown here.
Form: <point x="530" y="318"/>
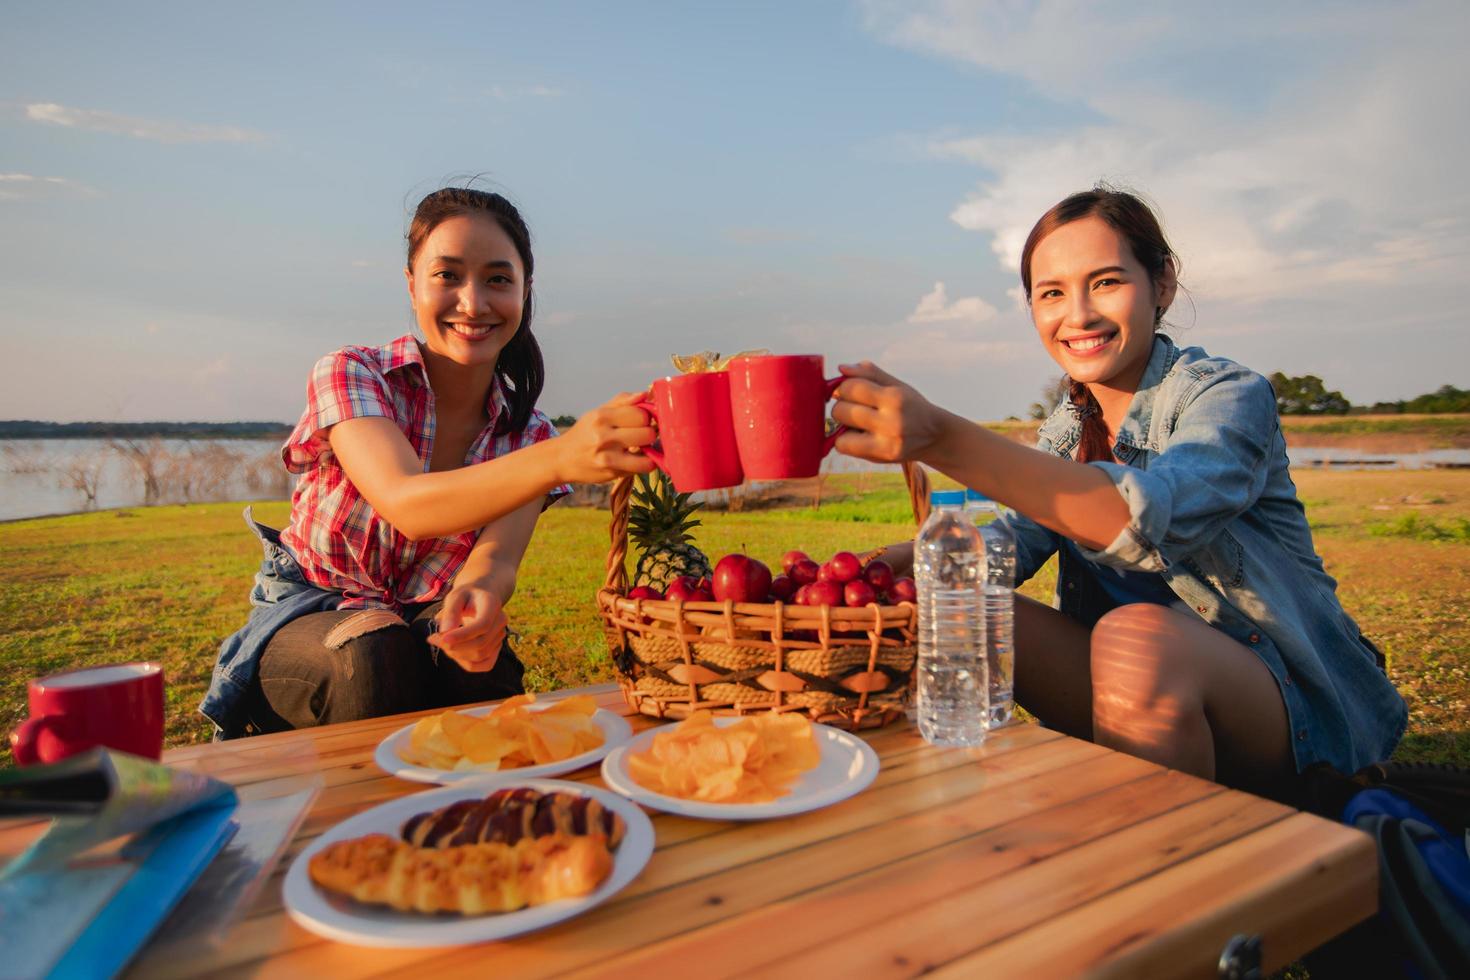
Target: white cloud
<point x="17" y="186"/>
<point x="157" y="130"/>
<point x="936" y="307"/>
<point x="1286" y="150"/>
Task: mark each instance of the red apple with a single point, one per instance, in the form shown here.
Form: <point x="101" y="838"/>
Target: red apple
<point x="858" y="593"/>
<point x="825" y="573"/>
<point x="903" y="590"/>
<point x="791" y="558"/>
<point x="799" y="596"/>
<point x="644" y="592"/>
<point x="741" y="578"/>
<point x="879" y="574"/>
<point x="690" y="589"/>
<point x="782" y="588"/>
<point x="824" y="594"/>
<point x="845" y="566"/>
<point x="804" y="572"/>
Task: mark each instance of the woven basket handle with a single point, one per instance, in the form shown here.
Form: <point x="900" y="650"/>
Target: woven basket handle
<point x="622" y="494"/>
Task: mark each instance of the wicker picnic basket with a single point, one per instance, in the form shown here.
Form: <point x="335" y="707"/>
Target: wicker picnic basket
<point x="842" y="666"/>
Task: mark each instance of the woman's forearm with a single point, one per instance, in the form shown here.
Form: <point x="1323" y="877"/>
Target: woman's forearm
<point x="496" y="557"/>
<point x="424" y="505"/>
<point x="1073" y="499"/>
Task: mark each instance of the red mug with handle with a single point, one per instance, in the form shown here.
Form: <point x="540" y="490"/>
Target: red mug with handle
<point x="696" y="441"/>
<point x="119" y="706"/>
<point x="779" y="405"/>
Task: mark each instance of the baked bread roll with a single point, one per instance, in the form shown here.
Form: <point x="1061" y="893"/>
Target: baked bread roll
<point x="508" y="816"/>
<point x="470" y="879"/>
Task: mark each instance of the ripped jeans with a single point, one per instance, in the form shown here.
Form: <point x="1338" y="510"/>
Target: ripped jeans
<point x="343" y="665"/>
<point x="321" y="676"/>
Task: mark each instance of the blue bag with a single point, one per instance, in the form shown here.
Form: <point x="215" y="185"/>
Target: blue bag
<point x="1418" y="816"/>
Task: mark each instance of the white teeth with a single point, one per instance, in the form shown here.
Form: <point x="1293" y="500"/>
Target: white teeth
<point x="1090" y="343"/>
<point x="473" y="333"/>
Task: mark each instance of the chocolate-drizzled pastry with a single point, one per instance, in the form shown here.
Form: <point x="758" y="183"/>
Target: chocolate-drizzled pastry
<point x="508" y="815"/>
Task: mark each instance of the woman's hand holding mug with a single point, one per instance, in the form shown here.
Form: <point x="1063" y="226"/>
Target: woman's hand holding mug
<point x="605" y="442"/>
<point x="887" y="421"/>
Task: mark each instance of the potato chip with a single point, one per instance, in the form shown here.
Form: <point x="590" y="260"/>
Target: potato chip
<point x="754" y="760"/>
<point x="511" y="736"/>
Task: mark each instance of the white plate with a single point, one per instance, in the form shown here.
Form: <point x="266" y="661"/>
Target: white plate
<point x="848" y="765"/>
<point x="344" y="920"/>
<point x="615" y="731"/>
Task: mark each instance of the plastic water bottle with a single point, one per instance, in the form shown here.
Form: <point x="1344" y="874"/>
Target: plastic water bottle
<point x="949" y="565"/>
<point x="1000" y="605"/>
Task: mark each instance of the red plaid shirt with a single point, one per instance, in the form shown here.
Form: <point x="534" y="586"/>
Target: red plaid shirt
<point x="338" y="539"/>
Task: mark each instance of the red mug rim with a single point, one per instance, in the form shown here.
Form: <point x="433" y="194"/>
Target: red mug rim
<point x="767" y="357"/>
<point x="671" y="378"/>
<point x="150" y="668"/>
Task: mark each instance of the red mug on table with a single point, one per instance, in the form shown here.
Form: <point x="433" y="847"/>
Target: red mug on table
<point x="779" y="405"/>
<point x="119" y="706"/>
<point x="696" y="441"/>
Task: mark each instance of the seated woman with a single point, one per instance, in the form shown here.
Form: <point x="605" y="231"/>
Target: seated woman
<point x="424" y="465"/>
<point x="1196" y="626"/>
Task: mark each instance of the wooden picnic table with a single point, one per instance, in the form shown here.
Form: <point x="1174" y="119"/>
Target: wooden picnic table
<point x="1034" y="855"/>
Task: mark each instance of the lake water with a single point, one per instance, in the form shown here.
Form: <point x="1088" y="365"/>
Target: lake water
<point x="39" y="476"/>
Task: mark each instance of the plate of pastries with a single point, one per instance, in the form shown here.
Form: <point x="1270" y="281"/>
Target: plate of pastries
<point x="468" y="864"/>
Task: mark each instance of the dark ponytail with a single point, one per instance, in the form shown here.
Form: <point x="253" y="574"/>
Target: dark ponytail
<point x="519" y="367"/>
<point x="1133" y="220"/>
<point x="1094" y="444"/>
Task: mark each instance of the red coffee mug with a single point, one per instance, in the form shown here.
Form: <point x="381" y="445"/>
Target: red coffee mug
<point x="779" y="405"/>
<point x="119" y="706"/>
<point x="696" y="442"/>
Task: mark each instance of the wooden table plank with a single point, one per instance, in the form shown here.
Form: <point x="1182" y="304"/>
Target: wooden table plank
<point x="987" y="836"/>
<point x="1295" y="883"/>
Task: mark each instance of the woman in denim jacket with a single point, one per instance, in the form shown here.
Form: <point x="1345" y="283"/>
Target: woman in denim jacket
<point x="1195" y="625"/>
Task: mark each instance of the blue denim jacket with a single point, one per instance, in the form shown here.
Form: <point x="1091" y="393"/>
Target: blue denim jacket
<point x="280" y="595"/>
<point x="1215" y="512"/>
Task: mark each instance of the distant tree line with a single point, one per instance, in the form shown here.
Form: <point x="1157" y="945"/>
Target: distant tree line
<point x="28" y="429"/>
<point x="1447" y="398"/>
<point x="1308" y="395"/>
<point x="1305" y="395"/>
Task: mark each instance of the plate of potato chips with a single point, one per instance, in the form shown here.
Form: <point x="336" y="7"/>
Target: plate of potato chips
<point x="519" y="738"/>
<point x="741" y="768"/>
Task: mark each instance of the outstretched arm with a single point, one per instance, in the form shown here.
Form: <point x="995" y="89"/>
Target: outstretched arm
<point x="890" y="422"/>
<point x="378" y="459"/>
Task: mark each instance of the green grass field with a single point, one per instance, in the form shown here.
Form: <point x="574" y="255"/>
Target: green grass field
<point x="168" y="583"/>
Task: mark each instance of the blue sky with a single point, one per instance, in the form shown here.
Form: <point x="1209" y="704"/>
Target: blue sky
<point x="198" y="200"/>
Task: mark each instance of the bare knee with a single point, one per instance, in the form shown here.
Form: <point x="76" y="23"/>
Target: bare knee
<point x="1139" y="669"/>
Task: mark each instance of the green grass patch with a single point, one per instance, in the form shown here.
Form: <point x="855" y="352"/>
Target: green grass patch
<point x="169" y="583"/>
<point x="1422" y="528"/>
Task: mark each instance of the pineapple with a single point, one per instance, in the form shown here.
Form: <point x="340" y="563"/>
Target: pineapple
<point x="658" y="523"/>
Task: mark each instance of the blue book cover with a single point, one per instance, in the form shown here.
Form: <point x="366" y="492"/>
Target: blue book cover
<point x="84" y="898"/>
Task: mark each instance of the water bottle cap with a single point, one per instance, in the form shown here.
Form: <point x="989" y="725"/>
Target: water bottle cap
<point x="947" y="498"/>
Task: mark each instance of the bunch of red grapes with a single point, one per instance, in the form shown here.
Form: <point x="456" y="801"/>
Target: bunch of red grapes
<point x="843" y="580"/>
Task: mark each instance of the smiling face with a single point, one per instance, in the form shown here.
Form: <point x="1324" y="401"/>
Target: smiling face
<point x="1094" y="305"/>
<point x="468" y="289"/>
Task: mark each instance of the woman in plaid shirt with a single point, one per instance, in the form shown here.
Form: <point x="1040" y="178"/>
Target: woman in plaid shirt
<point x="423" y="465"/>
